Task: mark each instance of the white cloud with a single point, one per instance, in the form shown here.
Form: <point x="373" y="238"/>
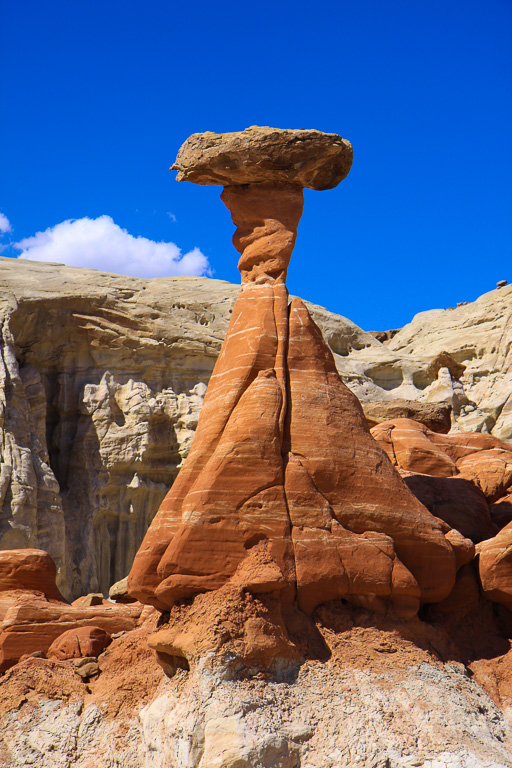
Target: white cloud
<point x="171" y="216"/>
<point x="102" y="244"/>
<point x="5" y="224"/>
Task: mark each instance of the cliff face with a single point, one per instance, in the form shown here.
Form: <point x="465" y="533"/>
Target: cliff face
<point x="102" y="380"/>
<point x="478" y="380"/>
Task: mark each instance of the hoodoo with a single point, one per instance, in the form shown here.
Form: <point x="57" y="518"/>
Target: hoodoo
<point x="285" y="494"/>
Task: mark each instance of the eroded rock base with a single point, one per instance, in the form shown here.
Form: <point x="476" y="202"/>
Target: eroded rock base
<point x="392" y="694"/>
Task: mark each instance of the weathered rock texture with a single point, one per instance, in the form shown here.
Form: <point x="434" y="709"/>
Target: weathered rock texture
<point x="260" y="155"/>
<point x="102" y="379"/>
<point x="435" y="416"/>
<point x="384" y="698"/>
<point x="460" y="356"/>
<point x="33" y="614"/>
<point x="284" y="492"/>
<point x="463" y="478"/>
<point x="495" y="567"/>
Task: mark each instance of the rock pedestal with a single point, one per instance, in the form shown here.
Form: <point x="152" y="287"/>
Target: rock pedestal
<point x="285" y="492"/>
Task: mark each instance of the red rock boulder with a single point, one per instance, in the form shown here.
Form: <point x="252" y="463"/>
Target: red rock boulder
<point x="28" y="569"/>
<point x="495" y="567"/>
<point x="79" y="642"/>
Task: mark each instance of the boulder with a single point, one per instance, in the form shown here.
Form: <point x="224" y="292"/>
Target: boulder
<point x="495" y="567"/>
<point x="118" y="592"/>
<point x="93" y="598"/>
<point x="79" y="642"/>
<point x="434" y="416"/>
<point x="301" y="158"/>
<point x="410" y="447"/>
<point x="489" y="470"/>
<point x="28" y="569"/>
<point x="86" y="667"/>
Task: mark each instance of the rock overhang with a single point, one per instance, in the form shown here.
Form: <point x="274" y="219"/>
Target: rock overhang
<point x="262" y="155"/>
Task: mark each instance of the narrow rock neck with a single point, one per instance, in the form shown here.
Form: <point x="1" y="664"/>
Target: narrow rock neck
<point x="266" y="217"/>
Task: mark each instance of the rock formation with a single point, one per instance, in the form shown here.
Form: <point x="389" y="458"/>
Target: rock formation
<point x="477" y="383"/>
<point x="262" y="155"/>
<point x="285" y="504"/>
<point x="102" y="380"/>
<point x="435" y="416"/>
<point x="284" y="491"/>
<point x="34" y="616"/>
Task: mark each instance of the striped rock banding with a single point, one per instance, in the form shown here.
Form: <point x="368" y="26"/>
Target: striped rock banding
<point x="283" y="462"/>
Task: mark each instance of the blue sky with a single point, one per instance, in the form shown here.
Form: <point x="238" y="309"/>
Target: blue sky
<point x="97" y="98"/>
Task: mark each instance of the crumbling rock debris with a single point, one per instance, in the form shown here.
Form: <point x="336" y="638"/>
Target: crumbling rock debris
<point x="86" y="667"/>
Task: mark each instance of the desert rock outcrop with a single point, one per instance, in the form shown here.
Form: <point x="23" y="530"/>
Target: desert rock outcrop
<point x="284" y="491"/>
<point x="102" y="379"/>
<point x="285" y="500"/>
<point x="477" y="383"/>
<point x="33" y="613"/>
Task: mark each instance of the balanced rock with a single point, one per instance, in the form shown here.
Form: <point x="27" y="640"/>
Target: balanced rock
<point x="284" y="493"/>
<point x="302" y="158"/>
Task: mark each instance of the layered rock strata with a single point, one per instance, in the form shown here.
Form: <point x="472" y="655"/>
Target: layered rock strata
<point x="476" y="337"/>
<point x="102" y="380"/>
<point x="34" y="615"/>
<point x="284" y="492"/>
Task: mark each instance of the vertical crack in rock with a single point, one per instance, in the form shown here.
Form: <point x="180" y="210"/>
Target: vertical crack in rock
<point x="283" y="474"/>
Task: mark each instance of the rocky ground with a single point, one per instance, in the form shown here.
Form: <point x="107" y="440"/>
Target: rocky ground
<point x="385" y="697"/>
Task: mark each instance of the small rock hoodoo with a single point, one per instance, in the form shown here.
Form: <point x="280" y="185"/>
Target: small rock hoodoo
<point x="285" y="494"/>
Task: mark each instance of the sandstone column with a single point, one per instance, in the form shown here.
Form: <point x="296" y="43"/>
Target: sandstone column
<point x="283" y="472"/>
